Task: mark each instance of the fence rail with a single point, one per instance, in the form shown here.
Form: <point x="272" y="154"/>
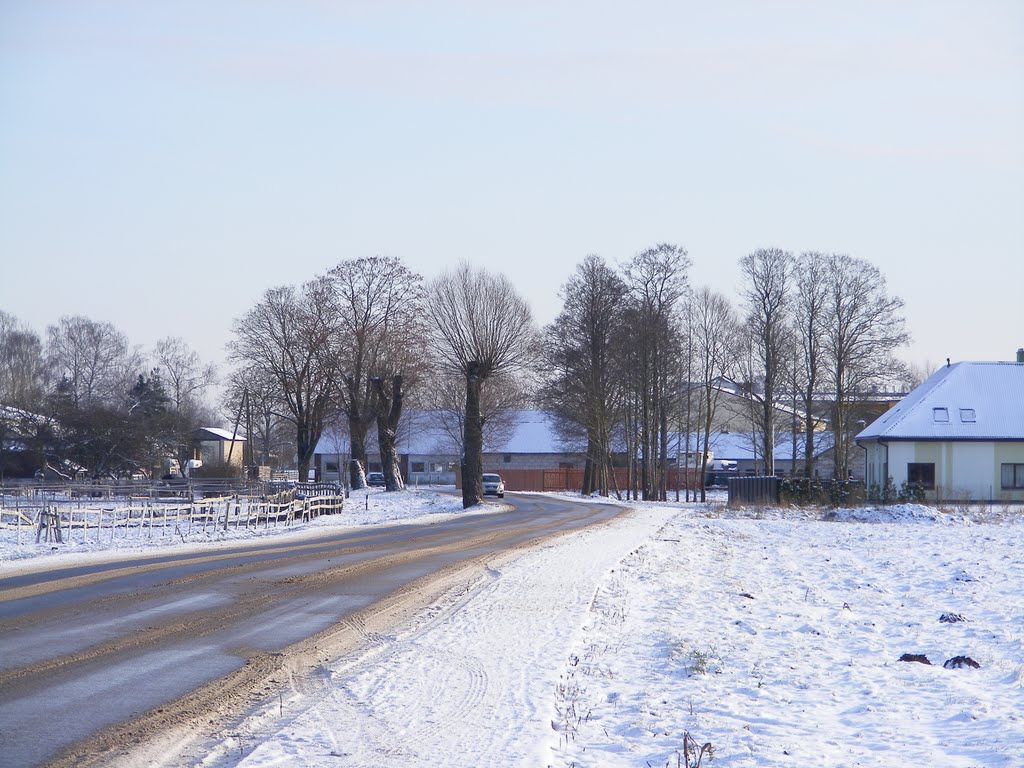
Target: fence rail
<point x="63" y="518"/>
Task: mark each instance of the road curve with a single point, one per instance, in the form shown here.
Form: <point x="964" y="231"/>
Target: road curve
<point x="95" y="659"/>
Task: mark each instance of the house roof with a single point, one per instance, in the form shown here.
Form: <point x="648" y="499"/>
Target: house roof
<point x="963" y="401"/>
<point x="216" y="433"/>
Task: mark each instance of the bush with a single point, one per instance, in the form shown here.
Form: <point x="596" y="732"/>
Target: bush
<point x="814" y="492"/>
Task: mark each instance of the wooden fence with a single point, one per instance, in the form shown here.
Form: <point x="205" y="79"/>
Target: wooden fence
<point x="61" y="522"/>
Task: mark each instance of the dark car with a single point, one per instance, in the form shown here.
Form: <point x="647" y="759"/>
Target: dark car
<point x="375" y="479"/>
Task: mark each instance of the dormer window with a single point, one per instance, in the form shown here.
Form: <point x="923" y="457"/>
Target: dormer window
<point x="967" y="415"/>
<point x="940" y="415"/>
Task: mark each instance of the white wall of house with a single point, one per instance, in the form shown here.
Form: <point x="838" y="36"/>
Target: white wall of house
<point x="964" y="470"/>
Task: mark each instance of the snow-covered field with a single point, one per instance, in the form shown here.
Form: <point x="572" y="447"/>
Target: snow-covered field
<point x="774" y="636"/>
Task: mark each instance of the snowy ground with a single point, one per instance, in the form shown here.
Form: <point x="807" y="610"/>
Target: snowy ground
<point x="774" y="636"/>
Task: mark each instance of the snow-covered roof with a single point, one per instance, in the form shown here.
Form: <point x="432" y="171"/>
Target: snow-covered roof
<point x="963" y="401"/>
<point x="216" y="433"/>
<point x="534" y="433"/>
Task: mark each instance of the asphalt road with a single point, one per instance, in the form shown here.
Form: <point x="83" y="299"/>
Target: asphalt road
<point x="96" y="659"/>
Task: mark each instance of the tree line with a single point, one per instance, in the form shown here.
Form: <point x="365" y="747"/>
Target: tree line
<point x="85" y="399"/>
<point x="630" y="369"/>
<point x="636" y="357"/>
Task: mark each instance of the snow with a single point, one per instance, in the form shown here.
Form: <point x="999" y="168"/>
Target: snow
<point x="773" y="635"/>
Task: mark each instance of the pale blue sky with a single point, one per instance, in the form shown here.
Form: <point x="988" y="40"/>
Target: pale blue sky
<point x="162" y="163"/>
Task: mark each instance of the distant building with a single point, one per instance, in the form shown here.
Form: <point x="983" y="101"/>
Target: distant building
<point x="959" y="435"/>
<point x="218" y="447"/>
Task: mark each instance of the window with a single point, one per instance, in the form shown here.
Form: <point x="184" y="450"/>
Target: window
<point x="922" y="475"/>
<point x="417" y="466"/>
<point x="967" y="415"/>
<point x="331" y="466"/>
<point x="940" y="415"/>
<point x="436" y="466"/>
<point x="507" y="458"/>
<point x="1013" y="476"/>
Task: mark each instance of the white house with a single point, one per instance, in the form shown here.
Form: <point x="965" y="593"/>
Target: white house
<point x="959" y="435"/>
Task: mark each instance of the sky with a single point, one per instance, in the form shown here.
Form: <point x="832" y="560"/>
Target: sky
<point x="162" y="164"/>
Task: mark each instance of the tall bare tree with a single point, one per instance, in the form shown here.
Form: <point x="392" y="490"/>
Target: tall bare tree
<point x="379" y="304"/>
<point x="290" y="337"/>
<point x="715" y="330"/>
<point x="766" y="283"/>
<point x="809" y="319"/>
<point x="582" y="389"/>
<point x="657" y="281"/>
<point x="481" y="327"/>
<point x="865" y="326"/>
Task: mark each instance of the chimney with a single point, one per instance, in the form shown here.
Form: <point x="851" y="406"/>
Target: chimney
<point x="1020" y="355"/>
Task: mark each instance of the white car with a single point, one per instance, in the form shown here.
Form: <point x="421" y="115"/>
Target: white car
<point x="493" y="486"/>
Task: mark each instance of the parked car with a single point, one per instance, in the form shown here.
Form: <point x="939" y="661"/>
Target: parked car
<point x="375" y="479"/>
<point x="493" y="486"/>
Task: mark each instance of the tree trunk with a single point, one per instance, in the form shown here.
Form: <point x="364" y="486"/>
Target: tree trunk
<point x="357" y="429"/>
<point x="304" y="451"/>
<point x="389" y="411"/>
<point x="473" y="440"/>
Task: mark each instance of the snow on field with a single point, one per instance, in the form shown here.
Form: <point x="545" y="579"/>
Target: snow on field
<point x="778" y="642"/>
<point x="367" y="507"/>
<point x="775" y="638"/>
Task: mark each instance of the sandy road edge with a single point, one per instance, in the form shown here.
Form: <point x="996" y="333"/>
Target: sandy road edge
<point x="174" y="734"/>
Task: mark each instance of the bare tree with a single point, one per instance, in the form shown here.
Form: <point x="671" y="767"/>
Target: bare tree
<point x="186" y="380"/>
<point x="379" y="306"/>
<point x="657" y="281"/>
<point x="290" y="337"/>
<point x="185" y="376"/>
<point x="715" y="340"/>
<point x="864" y="327"/>
<point x="767" y="273"/>
<point x="252" y="394"/>
<point x="23" y="372"/>
<point x="809" y="318"/>
<point x="482" y="327"/>
<point x="91" y="360"/>
<point x="582" y="390"/>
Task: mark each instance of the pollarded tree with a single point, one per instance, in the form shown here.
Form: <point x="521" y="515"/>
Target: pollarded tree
<point x="290" y="337"/>
<point x="766" y="283"/>
<point x="582" y="389"/>
<point x="481" y="328"/>
<point x="864" y="326"/>
<point x="379" y="305"/>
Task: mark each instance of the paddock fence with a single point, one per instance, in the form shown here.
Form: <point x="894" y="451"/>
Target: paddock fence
<point x="60" y="516"/>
